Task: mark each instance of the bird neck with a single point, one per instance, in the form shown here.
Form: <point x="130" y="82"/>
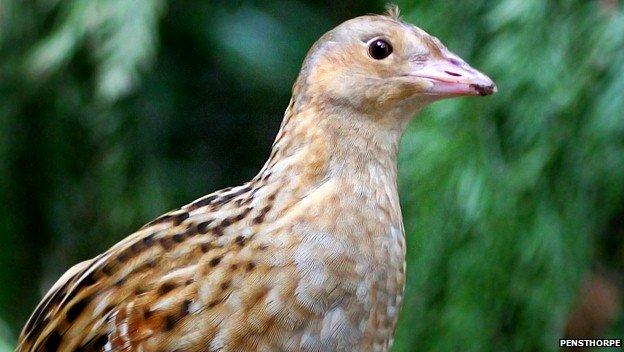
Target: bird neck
<point x="319" y="144"/>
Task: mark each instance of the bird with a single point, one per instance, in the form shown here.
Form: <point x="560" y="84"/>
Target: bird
<point x="309" y="255"/>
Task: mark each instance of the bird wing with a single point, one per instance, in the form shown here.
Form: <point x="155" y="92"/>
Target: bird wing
<point x="49" y="305"/>
<point x="144" y="284"/>
<point x="95" y="303"/>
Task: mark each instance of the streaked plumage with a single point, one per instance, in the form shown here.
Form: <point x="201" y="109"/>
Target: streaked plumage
<point x="307" y="256"/>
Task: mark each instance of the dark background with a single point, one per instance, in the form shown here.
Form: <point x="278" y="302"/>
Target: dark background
<point x="113" y="112"/>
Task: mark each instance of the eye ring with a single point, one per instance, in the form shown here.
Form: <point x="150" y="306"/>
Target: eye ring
<point x="379" y="49"/>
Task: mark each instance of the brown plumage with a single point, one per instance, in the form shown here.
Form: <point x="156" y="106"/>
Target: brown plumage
<point x="307" y="256"/>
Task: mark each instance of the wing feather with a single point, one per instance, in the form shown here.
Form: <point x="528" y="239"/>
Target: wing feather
<point x="117" y="300"/>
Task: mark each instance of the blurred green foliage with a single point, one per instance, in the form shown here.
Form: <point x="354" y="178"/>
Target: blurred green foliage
<point x="113" y="112"/>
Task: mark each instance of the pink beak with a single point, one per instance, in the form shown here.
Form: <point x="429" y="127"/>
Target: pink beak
<point x="451" y="77"/>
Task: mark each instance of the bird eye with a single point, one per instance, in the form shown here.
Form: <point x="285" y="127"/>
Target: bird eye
<point x="379" y="49"/>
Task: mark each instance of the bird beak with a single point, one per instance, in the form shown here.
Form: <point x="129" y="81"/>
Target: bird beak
<point x="450" y="76"/>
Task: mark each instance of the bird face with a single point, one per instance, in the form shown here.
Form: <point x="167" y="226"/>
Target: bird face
<point x="376" y="63"/>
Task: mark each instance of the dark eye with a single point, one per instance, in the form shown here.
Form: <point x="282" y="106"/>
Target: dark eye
<point x="379" y="49"/>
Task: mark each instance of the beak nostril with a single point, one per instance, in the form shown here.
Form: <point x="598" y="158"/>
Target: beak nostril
<point x="452" y="73"/>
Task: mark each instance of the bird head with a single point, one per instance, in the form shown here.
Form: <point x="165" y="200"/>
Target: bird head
<point x="378" y="63"/>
